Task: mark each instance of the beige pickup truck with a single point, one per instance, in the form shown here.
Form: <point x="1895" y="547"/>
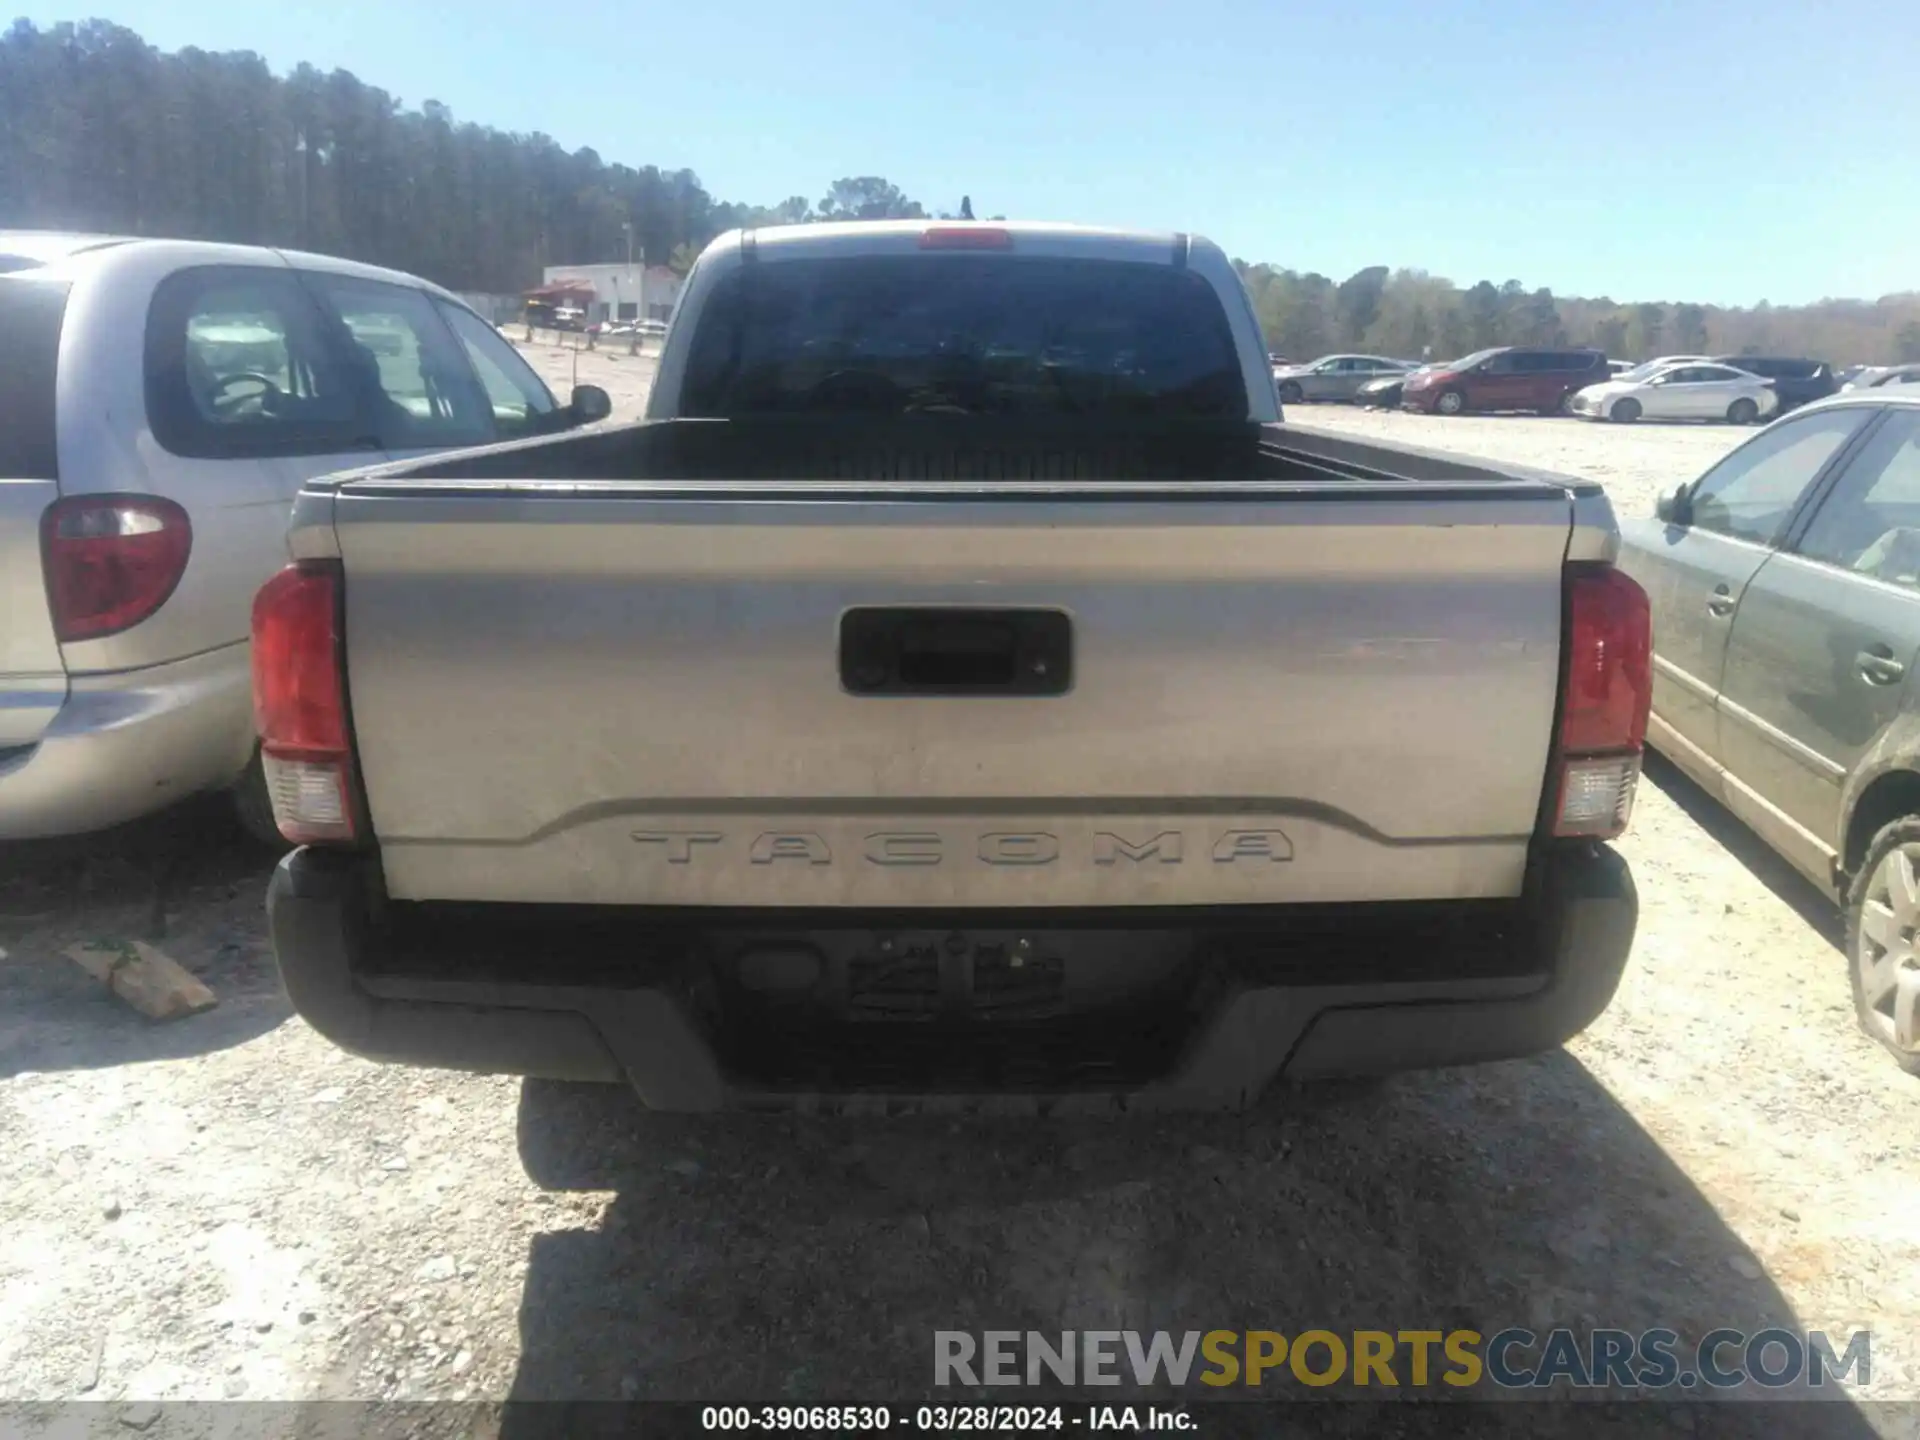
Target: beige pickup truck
<point x="964" y="688"/>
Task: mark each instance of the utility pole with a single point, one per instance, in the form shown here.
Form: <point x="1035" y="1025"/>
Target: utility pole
<point x="639" y="294"/>
<point x="627" y="225"/>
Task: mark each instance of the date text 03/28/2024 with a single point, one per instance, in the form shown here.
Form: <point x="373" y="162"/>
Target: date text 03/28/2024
<point x="939" y="1419"/>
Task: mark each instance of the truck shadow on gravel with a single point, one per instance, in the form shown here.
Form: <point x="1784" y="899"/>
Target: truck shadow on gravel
<point x="186" y="880"/>
<point x="1822" y="916"/>
<point x="788" y="1259"/>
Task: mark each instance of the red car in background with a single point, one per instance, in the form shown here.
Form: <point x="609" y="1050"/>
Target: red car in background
<point x="1508" y="377"/>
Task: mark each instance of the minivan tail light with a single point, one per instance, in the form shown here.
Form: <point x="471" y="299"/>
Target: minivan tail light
<point x="1607" y="681"/>
<point x="299" y="703"/>
<point x="111" y="561"/>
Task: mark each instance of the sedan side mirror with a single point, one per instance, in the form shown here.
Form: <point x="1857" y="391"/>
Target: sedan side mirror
<point x="589" y="404"/>
<point x="1675" y="506"/>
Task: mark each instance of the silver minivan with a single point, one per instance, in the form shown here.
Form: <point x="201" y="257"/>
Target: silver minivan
<point x="160" y="404"/>
<point x="1785" y="588"/>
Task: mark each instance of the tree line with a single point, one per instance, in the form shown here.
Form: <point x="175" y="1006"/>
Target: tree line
<point x="101" y="131"/>
<point x="1412" y="314"/>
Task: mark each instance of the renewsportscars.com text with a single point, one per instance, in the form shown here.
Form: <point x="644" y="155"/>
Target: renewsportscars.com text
<point x="1392" y="1359"/>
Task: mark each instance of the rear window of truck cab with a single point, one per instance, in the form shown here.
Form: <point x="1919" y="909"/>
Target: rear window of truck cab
<point x="966" y="334"/>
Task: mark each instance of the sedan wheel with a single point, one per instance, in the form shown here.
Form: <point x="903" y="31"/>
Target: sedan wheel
<point x="1743" y="412"/>
<point x="1290" y="394"/>
<point x="1882" y="921"/>
<point x="1625" y="411"/>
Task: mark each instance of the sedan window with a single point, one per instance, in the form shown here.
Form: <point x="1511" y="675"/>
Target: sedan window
<point x="1870" y="521"/>
<point x="1751" y="494"/>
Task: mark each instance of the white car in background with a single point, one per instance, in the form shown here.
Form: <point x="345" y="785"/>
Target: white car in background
<point x="1659" y="362"/>
<point x="1874" y="377"/>
<point x="161" y="402"/>
<point x="1678" y="392"/>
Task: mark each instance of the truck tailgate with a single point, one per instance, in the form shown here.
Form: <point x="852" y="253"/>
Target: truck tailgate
<point x="633" y="694"/>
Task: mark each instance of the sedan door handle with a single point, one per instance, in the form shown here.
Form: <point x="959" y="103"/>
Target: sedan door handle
<point x="1721" y="602"/>
<point x="1878" y="667"/>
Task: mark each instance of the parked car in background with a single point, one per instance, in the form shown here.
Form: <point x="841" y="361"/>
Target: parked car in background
<point x="163" y="402"/>
<point x="1661" y="362"/>
<point x="1795" y="382"/>
<point x="1785" y="586"/>
<point x="1334" y="377"/>
<point x="1679" y="392"/>
<point x="1508" y="377"/>
<point x="1619" y="367"/>
<point x="1872" y="377"/>
<point x="1384" y="393"/>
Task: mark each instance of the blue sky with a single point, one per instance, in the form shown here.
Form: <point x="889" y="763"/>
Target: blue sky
<point x="1690" y="150"/>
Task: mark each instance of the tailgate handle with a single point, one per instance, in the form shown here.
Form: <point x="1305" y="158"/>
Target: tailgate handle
<point x="955" y="651"/>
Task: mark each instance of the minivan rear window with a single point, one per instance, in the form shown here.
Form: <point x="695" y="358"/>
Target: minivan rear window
<point x="969" y="334"/>
<point x="31" y="312"/>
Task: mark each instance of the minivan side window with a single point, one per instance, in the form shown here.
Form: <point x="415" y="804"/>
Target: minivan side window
<point x="1752" y="493"/>
<point x="238" y="365"/>
<point x="1506" y="364"/>
<point x="415" y="377"/>
<point x="519" y="398"/>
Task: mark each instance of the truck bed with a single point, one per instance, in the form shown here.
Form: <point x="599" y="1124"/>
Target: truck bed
<point x="624" y="667"/>
<point x="942" y="449"/>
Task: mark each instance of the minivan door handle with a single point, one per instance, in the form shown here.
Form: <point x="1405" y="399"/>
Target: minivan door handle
<point x="1721" y="602"/>
<point x="1878" y="667"/>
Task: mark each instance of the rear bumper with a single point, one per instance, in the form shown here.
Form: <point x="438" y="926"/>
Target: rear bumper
<point x="1572" y="933"/>
<point x="127" y="744"/>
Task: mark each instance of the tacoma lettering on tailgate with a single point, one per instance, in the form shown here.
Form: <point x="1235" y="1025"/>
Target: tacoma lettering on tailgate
<point x="992" y="847"/>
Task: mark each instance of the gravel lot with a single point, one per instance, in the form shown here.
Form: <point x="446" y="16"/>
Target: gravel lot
<point x="228" y="1207"/>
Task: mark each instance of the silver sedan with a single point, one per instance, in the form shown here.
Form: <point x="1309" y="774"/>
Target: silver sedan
<point x="1334" y="377"/>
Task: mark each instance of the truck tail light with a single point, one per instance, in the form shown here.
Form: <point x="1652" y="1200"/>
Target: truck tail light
<point x="1608" y="689"/>
<point x="111" y="561"/>
<point x="300" y="704"/>
<point x="965" y="237"/>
